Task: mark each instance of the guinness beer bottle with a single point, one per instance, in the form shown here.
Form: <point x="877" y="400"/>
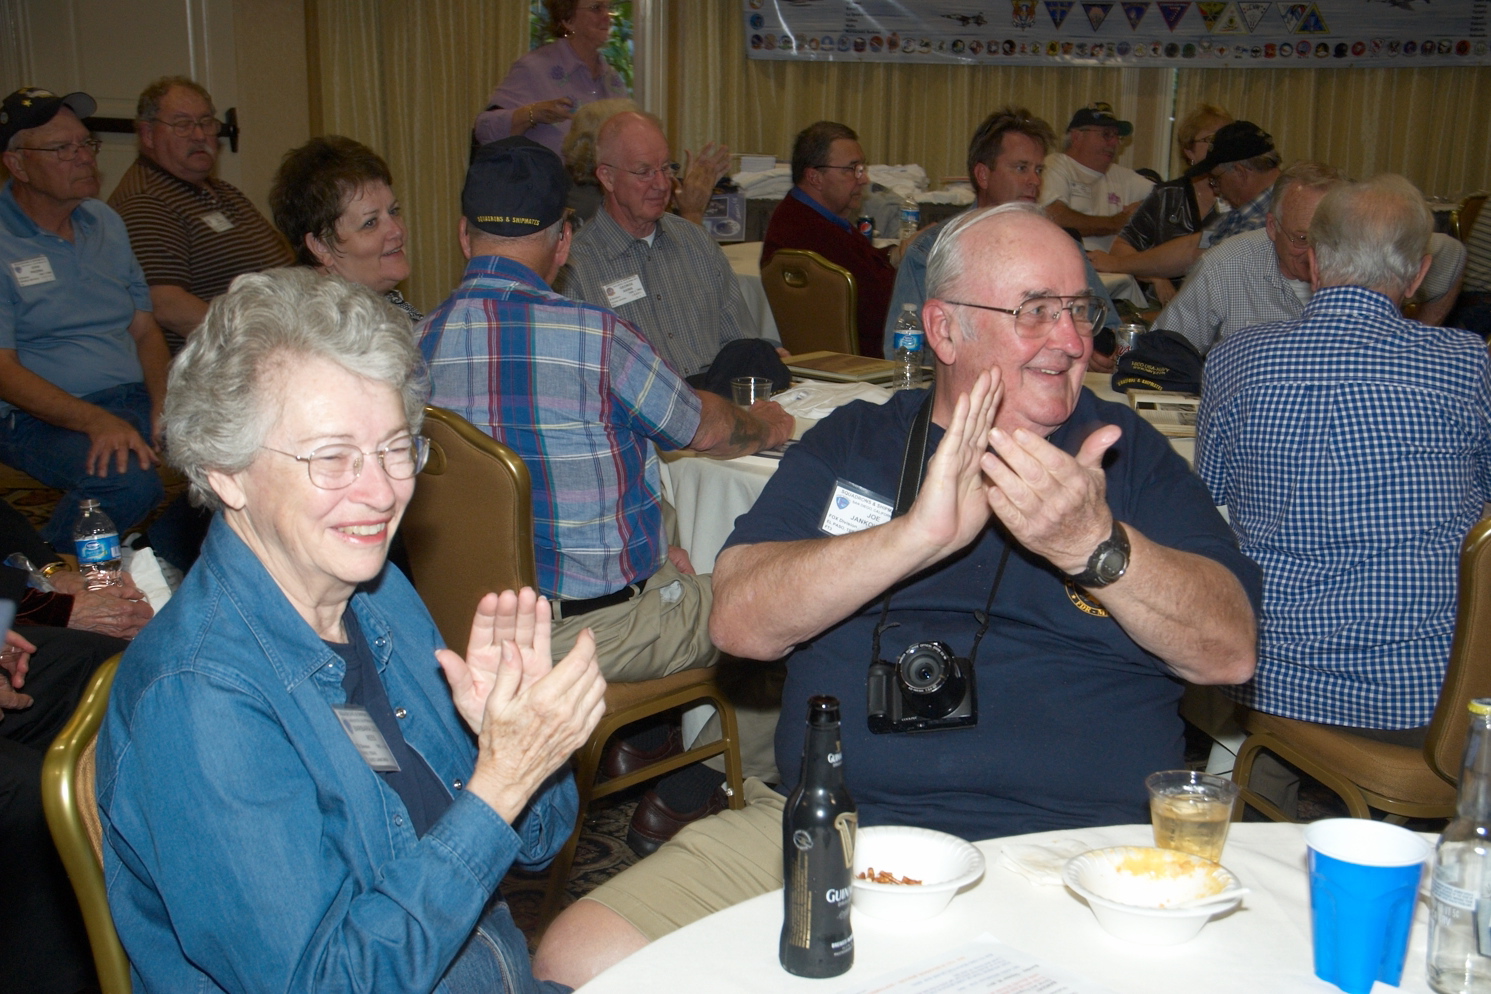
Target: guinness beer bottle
<point x="818" y="854"/>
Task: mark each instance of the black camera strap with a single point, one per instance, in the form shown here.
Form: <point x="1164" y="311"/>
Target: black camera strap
<point x="913" y="468"/>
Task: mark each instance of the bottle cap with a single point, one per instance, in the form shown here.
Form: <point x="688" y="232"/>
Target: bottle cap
<point x="1480" y="706"/>
<point x="823" y="710"/>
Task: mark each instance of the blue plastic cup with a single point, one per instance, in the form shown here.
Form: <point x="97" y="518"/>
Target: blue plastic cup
<point x="1364" y="880"/>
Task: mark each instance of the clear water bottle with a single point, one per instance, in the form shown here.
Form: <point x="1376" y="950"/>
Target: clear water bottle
<point x="911" y="218"/>
<point x="818" y="826"/>
<point x="1460" y="915"/>
<point x="96" y="541"/>
<point x="909" y="341"/>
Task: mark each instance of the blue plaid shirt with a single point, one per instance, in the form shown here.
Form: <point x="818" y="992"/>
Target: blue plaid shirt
<point x="581" y="397"/>
<point x="1249" y="217"/>
<point x="1352" y="448"/>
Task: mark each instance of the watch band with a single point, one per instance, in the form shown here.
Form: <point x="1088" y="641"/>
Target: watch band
<point x="1108" y="562"/>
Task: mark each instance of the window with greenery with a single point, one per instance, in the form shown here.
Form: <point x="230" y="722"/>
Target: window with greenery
<point x="617" y="52"/>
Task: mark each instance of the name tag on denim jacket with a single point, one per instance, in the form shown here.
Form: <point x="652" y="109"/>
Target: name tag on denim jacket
<point x="363" y="732"/>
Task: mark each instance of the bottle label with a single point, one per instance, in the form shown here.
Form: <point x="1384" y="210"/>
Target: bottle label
<point x="97" y="548"/>
<point x="1455" y="897"/>
<point x="909" y="340"/>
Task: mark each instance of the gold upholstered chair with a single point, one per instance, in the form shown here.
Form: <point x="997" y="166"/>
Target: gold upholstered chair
<point x="814" y="302"/>
<point x="469" y="530"/>
<point x="1401" y="781"/>
<point x="67" y="779"/>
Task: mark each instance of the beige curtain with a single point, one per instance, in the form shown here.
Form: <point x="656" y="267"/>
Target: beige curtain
<point x="408" y="79"/>
<point x="1431" y="125"/>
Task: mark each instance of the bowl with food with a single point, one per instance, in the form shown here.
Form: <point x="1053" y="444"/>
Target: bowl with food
<point x="908" y="874"/>
<point x="1157" y="897"/>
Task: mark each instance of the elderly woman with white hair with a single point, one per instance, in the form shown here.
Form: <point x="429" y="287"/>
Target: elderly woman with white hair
<point x="292" y="798"/>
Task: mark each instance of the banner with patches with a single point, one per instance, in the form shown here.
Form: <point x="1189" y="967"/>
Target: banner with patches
<point x="1245" y="34"/>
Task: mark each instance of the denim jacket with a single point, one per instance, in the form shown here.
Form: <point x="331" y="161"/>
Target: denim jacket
<point x="249" y="847"/>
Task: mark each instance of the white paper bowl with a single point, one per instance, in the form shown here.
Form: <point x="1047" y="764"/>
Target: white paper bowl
<point x="943" y="863"/>
<point x="1131" y="889"/>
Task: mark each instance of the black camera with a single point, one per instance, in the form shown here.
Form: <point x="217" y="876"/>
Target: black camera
<point x="928" y="687"/>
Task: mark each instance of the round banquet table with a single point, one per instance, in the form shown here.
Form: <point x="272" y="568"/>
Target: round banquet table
<point x="1263" y="946"/>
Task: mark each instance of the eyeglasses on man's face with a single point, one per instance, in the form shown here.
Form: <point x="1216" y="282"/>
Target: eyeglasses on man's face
<point x="859" y="169"/>
<point x="182" y="127"/>
<point x="1035" y="317"/>
<point x="646" y="173"/>
<point x="68" y="152"/>
<point x="336" y="467"/>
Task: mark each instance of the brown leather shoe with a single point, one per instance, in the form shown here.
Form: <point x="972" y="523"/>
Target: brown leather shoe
<point x="622" y="757"/>
<point x="654" y="823"/>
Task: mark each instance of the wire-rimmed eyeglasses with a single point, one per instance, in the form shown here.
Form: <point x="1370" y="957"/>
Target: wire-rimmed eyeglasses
<point x="68" y="152"/>
<point x="1036" y="315"/>
<point x="336" y="467"/>
<point x="646" y="173"/>
<point x="859" y="169"/>
<point x="184" y="126"/>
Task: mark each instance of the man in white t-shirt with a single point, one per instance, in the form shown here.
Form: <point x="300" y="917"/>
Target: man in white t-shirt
<point x="1084" y="189"/>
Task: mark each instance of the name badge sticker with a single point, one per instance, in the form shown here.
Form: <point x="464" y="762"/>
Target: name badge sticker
<point x="363" y="732"/>
<point x="852" y="508"/>
<point x="30" y="272"/>
<point x="217" y="221"/>
<point x="623" y="291"/>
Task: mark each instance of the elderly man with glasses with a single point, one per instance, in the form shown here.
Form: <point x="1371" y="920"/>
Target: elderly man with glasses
<point x="663" y="274"/>
<point x="829" y="176"/>
<point x="82" y="361"/>
<point x="1085" y="188"/>
<point x="1070" y="563"/>
<point x="192" y="232"/>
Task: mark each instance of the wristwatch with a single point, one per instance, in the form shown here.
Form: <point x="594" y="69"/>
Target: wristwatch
<point x="1108" y="562"/>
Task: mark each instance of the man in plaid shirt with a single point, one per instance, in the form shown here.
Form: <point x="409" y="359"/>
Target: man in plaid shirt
<point x="1352" y="448"/>
<point x="582" y="398"/>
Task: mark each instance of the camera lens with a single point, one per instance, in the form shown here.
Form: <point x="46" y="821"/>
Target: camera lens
<point x="931" y="678"/>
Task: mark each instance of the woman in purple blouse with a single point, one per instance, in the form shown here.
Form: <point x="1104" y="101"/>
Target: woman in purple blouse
<point x="545" y="87"/>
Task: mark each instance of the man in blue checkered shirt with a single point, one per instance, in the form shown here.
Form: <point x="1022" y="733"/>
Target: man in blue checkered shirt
<point x="1352" y="448"/>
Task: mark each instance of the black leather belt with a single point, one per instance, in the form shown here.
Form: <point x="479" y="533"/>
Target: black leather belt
<point x="584" y="605"/>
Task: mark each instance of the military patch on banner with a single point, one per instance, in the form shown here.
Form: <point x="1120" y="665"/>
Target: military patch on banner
<point x="1231" y="22"/>
<point x="1313" y="23"/>
<point x="1292" y="14"/>
<point x="1253" y="12"/>
<point x="1135" y="13"/>
<point x="1211" y="12"/>
<point x="1086" y="603"/>
<point x="1022" y="13"/>
<point x="1059" y="9"/>
<point x="1097" y="13"/>
<point x="1172" y="11"/>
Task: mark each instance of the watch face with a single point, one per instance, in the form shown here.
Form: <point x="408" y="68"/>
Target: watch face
<point x="1111" y="564"/>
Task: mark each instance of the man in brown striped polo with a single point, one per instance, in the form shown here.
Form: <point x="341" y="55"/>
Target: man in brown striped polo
<point x="191" y="232"/>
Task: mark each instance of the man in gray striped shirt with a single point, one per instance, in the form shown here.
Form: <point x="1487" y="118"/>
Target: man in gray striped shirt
<point x="191" y="232"/>
<point x="663" y="274"/>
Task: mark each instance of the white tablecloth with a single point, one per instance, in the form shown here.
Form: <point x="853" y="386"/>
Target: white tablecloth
<point x="1261" y="948"/>
<point x="745" y="260"/>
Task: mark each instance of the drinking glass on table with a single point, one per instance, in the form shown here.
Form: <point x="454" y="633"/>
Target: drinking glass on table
<point x="749" y="389"/>
<point x="1191" y="811"/>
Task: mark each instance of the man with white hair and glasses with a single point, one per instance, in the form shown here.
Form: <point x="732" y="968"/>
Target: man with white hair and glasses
<point x="1054" y="542"/>
<point x="82" y="361"/>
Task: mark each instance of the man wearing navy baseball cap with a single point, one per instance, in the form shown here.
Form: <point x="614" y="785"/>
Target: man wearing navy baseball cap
<point x="82" y="360"/>
<point x="1084" y="187"/>
<point x="578" y="393"/>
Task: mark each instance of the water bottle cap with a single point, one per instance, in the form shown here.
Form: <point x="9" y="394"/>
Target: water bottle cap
<point x="908" y="306"/>
<point x="1480" y="706"/>
<point x="88" y="504"/>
